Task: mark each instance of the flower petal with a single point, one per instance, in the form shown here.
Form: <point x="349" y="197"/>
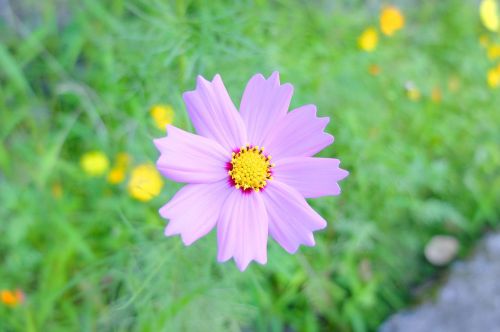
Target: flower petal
<point x="264" y="102"/>
<point x="242" y="229"/>
<point x="291" y="219"/>
<point x="190" y="158"/>
<point x="194" y="210"/>
<point x="312" y="177"/>
<point x="213" y="113"/>
<point x="488" y="11"/>
<point x="299" y="134"/>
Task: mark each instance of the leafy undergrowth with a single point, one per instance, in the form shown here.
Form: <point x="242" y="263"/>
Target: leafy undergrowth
<point x="414" y="122"/>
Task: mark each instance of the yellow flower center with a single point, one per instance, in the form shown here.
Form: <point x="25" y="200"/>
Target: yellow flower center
<point x="250" y="168"/>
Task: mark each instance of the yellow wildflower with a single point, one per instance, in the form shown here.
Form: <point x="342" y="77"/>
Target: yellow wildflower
<point x="391" y="20"/>
<point x="488" y="10"/>
<point x="12" y="298"/>
<point x="117" y="173"/>
<point x="484" y="41"/>
<point x="413" y="94"/>
<point x="493" y="77"/>
<point x="494" y="51"/>
<point x="145" y="183"/>
<point x="368" y="40"/>
<point x="162" y="115"/>
<point x="454" y="83"/>
<point x="57" y="190"/>
<point x="436" y="95"/>
<point x="374" y="69"/>
<point x="94" y="163"/>
<point x="412" y="91"/>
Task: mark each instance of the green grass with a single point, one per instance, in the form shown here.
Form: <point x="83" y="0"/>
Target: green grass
<point x="81" y="75"/>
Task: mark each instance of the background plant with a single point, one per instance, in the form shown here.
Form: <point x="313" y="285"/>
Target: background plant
<point x="415" y="123"/>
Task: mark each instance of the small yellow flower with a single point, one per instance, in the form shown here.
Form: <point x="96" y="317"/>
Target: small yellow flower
<point x="12" y="298"/>
<point x="391" y="20"/>
<point x="414" y="94"/>
<point x="57" y="190"/>
<point x="94" y="163"/>
<point x="162" y="115"/>
<point x="484" y="41"/>
<point x="493" y="77"/>
<point x="454" y="83"/>
<point x="374" y="69"/>
<point x="368" y="40"/>
<point x="412" y="91"/>
<point x="436" y="95"/>
<point x="488" y="10"/>
<point x="494" y="51"/>
<point x="145" y="183"/>
<point x="117" y="174"/>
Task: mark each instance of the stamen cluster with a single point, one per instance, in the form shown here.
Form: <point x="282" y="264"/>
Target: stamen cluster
<point x="250" y="168"/>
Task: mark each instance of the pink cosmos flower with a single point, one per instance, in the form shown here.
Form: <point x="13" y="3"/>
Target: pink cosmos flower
<point x="247" y="172"/>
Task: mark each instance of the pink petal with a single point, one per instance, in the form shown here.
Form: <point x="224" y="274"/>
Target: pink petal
<point x="291" y="219"/>
<point x="213" y="113"/>
<point x="299" y="134"/>
<point x="194" y="210"/>
<point x="190" y="158"/>
<point x="242" y="229"/>
<point x="264" y="102"/>
<point x="312" y="177"/>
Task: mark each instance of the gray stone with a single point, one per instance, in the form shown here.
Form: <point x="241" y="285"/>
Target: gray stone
<point x="469" y="301"/>
<point x="441" y="249"/>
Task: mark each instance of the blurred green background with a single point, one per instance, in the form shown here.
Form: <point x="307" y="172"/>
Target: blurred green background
<point x="416" y="122"/>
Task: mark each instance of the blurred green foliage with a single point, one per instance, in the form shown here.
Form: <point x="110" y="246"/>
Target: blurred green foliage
<point x="82" y="75"/>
